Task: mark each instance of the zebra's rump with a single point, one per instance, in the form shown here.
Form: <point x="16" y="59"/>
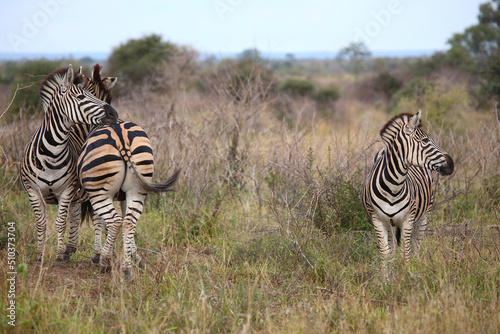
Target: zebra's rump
<point x="107" y="151"/>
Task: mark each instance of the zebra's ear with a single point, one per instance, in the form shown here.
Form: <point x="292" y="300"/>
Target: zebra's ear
<point x="109" y="82"/>
<point x="69" y="77"/>
<point x="415" y="121"/>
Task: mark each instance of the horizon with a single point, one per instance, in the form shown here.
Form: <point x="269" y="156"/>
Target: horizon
<point x="301" y="55"/>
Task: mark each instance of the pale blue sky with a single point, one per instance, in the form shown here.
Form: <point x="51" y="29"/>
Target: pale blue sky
<point x="222" y="26"/>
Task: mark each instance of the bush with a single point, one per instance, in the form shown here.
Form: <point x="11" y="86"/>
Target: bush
<point x="326" y="197"/>
<point x="387" y="84"/>
<point x="443" y="105"/>
<point x="326" y="95"/>
<point x="414" y="91"/>
<point x="249" y="70"/>
<point x="138" y="59"/>
<point x="298" y="87"/>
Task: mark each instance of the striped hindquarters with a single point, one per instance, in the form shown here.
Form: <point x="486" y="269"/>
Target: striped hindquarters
<point x="106" y="154"/>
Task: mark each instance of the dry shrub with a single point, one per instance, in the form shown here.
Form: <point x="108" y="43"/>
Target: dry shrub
<point x="214" y="136"/>
<point x="472" y="191"/>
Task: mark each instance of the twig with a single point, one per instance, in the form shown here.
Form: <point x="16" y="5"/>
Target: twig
<point x="13" y="97"/>
<point x="273" y="207"/>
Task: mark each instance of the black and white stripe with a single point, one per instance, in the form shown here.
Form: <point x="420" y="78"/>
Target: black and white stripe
<point x="398" y="193"/>
<point x="117" y="163"/>
<point x="48" y="166"/>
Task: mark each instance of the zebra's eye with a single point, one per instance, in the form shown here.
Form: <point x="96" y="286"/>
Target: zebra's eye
<point x="80" y="97"/>
<point x="425" y="140"/>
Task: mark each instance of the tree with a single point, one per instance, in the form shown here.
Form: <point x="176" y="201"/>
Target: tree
<point x="138" y="59"/>
<point x="477" y="48"/>
<point x="356" y="52"/>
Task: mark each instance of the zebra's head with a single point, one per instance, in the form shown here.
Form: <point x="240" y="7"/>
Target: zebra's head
<point x="413" y="146"/>
<point x="62" y="93"/>
<point x="97" y="85"/>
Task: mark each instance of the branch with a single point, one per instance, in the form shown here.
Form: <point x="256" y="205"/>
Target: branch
<point x="13" y="97"/>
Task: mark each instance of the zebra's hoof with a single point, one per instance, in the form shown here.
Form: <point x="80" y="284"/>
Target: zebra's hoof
<point x="63" y="258"/>
<point x="140" y="264"/>
<point x="95" y="258"/>
<point x="105" y="269"/>
<point x="127" y="274"/>
<point x="70" y="250"/>
<point x="105" y="264"/>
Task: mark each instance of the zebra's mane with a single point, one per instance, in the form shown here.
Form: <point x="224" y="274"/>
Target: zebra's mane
<point x="392" y="127"/>
<point x="96" y="76"/>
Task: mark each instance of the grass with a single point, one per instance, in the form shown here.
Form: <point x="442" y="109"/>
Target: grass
<point x="244" y="244"/>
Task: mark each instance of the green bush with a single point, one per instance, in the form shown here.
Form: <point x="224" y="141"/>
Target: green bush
<point x="387" y="84"/>
<point x="340" y="208"/>
<point x="138" y="59"/>
<point x="325" y="197"/>
<point x="414" y="91"/>
<point x="326" y="95"/>
<point x="443" y="105"/>
<point x="298" y="87"/>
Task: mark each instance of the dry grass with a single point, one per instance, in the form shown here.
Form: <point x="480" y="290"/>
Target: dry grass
<point x="237" y="248"/>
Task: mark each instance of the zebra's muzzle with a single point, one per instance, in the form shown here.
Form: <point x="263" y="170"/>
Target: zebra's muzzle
<point x="111" y="116"/>
<point x="448" y="168"/>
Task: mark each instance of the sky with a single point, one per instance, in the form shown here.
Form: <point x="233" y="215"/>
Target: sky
<point x="231" y="26"/>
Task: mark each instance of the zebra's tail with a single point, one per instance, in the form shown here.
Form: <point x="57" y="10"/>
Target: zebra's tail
<point x="156" y="187"/>
<point x="87" y="212"/>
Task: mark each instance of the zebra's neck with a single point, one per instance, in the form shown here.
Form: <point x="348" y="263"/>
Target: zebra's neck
<point x="55" y="132"/>
<point x="394" y="173"/>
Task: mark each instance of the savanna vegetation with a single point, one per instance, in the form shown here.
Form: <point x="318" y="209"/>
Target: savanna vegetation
<point x="265" y="231"/>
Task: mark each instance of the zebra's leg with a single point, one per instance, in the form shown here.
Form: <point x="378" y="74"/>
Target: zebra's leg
<point x="385" y="237"/>
<point x="385" y="242"/>
<point x="38" y="205"/>
<point x="135" y="256"/>
<point x="113" y="228"/>
<point x="134" y="206"/>
<point x="74" y="224"/>
<point x="98" y="226"/>
<point x="418" y="234"/>
<point x="103" y="206"/>
<point x="406" y="235"/>
<point x="62" y="216"/>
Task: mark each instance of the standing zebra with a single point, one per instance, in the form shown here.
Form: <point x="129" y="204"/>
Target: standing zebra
<point x="398" y="193"/>
<point x="100" y="88"/>
<point x="116" y="163"/>
<point x="48" y="166"/>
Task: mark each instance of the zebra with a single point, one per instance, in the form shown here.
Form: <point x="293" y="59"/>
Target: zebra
<point x="48" y="165"/>
<point x="100" y="88"/>
<point x="398" y="193"/>
<point x="117" y="163"/>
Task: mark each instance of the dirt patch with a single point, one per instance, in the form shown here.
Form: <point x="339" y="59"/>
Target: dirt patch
<point x="75" y="275"/>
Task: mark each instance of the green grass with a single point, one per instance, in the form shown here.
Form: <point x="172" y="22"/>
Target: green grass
<point x="250" y="276"/>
